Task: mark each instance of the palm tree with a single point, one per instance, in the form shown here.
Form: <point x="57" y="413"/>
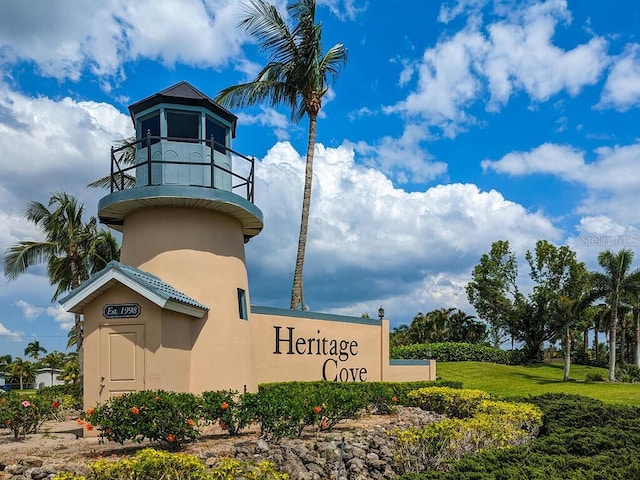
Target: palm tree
<point x="53" y="361"/>
<point x="72" y="249"/>
<point x="634" y="302"/>
<point x="5" y="361"/>
<point x="24" y="370"/>
<point x="399" y="336"/>
<point x="71" y="369"/>
<point x="296" y="76"/>
<point x="34" y="349"/>
<point x="72" y="337"/>
<point x="612" y="285"/>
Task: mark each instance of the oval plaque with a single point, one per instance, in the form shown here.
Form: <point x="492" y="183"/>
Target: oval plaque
<point x="121" y="310"/>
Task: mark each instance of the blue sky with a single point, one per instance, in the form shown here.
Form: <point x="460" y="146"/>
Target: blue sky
<point x="453" y="125"/>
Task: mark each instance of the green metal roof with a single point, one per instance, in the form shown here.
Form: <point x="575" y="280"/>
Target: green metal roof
<point x="144" y="283"/>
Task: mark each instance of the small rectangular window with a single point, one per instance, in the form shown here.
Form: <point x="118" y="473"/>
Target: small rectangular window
<point x="219" y="134"/>
<point x="242" y="304"/>
<point x="183" y="125"/>
<point x="151" y="126"/>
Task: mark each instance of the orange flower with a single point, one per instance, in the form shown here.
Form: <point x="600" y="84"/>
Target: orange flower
<point x="91" y="411"/>
<point x="324" y="423"/>
<point x="224" y="405"/>
<point x="171" y="438"/>
<point x="88" y="426"/>
<point x="223" y="425"/>
<point x="79" y="421"/>
<point x="55" y="404"/>
<point x="394" y="399"/>
<point x="135" y="410"/>
<point x="317" y="409"/>
<point x="190" y="422"/>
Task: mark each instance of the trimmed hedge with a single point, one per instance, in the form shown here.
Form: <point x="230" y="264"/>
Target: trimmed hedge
<point x="458" y="403"/>
<point x="458" y="352"/>
<point x="171" y="419"/>
<point x="495" y="425"/>
<point x="581" y="438"/>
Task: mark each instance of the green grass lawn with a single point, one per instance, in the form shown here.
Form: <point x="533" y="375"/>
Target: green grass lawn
<point x="521" y="381"/>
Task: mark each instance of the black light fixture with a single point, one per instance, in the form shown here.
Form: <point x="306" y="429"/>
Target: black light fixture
<point x="381" y="313"/>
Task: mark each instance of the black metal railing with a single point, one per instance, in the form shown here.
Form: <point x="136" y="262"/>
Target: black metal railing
<point x="124" y="164"/>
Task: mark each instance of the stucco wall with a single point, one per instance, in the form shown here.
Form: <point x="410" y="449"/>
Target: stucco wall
<point x="291" y="345"/>
<point x="165" y="345"/>
<point x="200" y="253"/>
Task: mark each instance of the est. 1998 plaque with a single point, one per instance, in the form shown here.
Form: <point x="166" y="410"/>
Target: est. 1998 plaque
<point x="122" y="310"/>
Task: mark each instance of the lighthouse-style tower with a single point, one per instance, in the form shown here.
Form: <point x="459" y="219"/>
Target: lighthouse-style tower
<point x="185" y="223"/>
<point x="174" y="312"/>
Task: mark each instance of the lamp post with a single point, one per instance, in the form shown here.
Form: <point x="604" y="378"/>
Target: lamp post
<point x="381" y="313"/>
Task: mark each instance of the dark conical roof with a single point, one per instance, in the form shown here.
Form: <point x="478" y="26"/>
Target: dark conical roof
<point x="183" y="93"/>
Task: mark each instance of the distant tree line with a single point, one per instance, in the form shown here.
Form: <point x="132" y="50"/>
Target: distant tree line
<point x="565" y="301"/>
<point x="440" y="326"/>
<point x="22" y="373"/>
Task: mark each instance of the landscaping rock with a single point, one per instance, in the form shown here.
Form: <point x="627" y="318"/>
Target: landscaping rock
<point x="366" y="448"/>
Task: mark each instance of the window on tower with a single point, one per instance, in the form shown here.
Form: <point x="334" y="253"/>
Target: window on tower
<point x="219" y="134"/>
<point x="149" y="125"/>
<point x="242" y="305"/>
<point x="183" y="125"/>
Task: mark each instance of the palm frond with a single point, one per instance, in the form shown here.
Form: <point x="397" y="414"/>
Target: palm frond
<point x="264" y="22"/>
<point x="334" y="60"/>
<point x="129" y="181"/>
<point x="25" y="254"/>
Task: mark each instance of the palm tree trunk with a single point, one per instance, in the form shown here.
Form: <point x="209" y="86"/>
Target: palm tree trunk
<point x="586" y="342"/>
<point x="613" y="325"/>
<point x="623" y="338"/>
<point x="296" y="289"/>
<point x="79" y="349"/>
<point x="636" y="324"/>
<point x="567" y="354"/>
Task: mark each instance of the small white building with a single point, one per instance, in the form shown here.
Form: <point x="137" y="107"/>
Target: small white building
<point x="48" y="377"/>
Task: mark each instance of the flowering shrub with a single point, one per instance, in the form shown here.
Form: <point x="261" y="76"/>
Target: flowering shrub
<point x="284" y="409"/>
<point x="459" y="403"/>
<point x="167" y="418"/>
<point x="150" y="464"/>
<point x="70" y="396"/>
<point x="279" y="416"/>
<point x="495" y="425"/>
<point x="281" y="409"/>
<point x="226" y="409"/>
<point x="24" y="414"/>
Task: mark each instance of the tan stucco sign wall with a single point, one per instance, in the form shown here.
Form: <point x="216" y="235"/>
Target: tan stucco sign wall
<point x="294" y="348"/>
<point x="306" y="346"/>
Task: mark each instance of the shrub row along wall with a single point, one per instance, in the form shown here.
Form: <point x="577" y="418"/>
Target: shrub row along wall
<point x="280" y="409"/>
<point x="415" y="444"/>
<point x="458" y="352"/>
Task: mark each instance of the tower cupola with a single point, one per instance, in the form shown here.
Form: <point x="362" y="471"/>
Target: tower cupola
<point x="182" y="156"/>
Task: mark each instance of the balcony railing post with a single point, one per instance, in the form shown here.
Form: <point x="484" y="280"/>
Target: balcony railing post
<point x="213" y="168"/>
<point x="250" y="181"/>
<point x="148" y="141"/>
<point x="112" y="180"/>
